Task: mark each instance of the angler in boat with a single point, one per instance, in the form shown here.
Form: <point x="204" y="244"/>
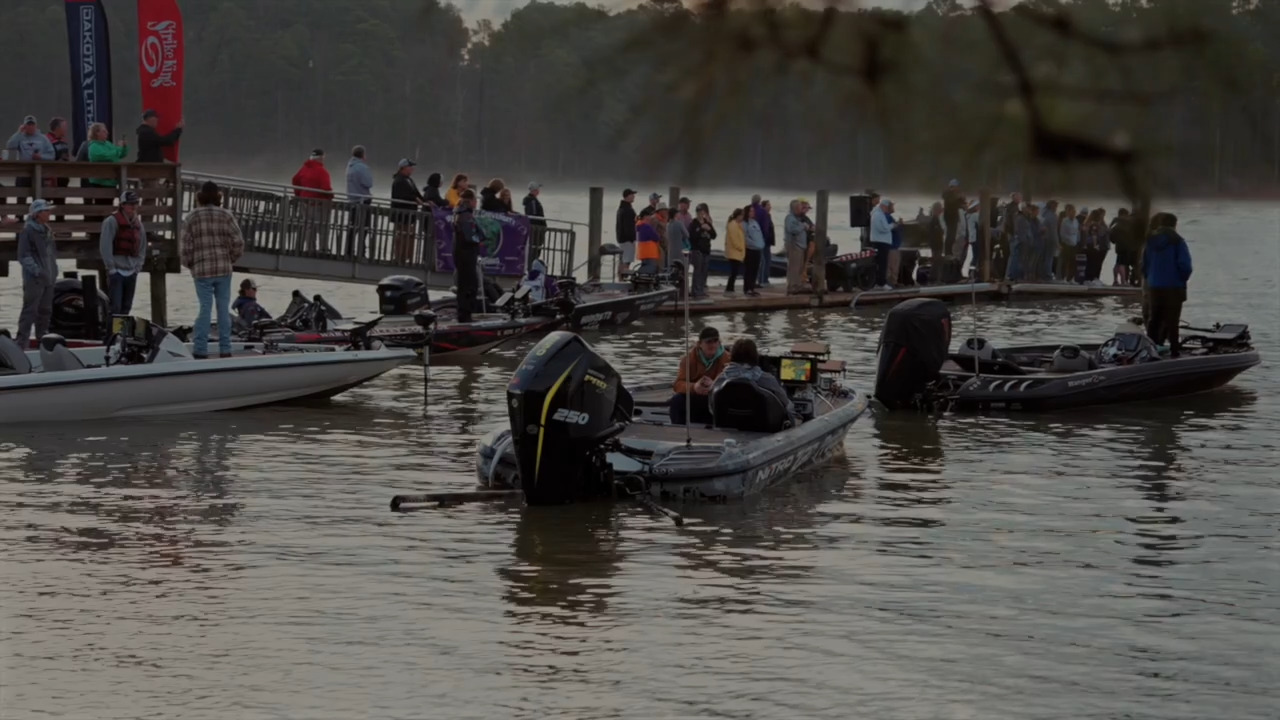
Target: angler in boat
<point x="695" y="377"/>
<point x="744" y="369"/>
<point x="917" y="370"/>
<point x="246" y="306"/>
<point x="576" y="433"/>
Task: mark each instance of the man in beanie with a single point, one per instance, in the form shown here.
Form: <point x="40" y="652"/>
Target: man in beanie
<point x="625" y="232"/>
<point x="38" y="256"/>
<point x="123" y="245"/>
<point x="698" y="371"/>
<point x="211" y="244"/>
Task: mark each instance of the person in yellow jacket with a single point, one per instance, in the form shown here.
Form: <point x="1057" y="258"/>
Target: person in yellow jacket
<point x="456" y="189"/>
<point x="735" y="248"/>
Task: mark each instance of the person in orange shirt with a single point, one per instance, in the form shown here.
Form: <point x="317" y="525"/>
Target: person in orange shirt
<point x="649" y="240"/>
<point x="698" y="371"/>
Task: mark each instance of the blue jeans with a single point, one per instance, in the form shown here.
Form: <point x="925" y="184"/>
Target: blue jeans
<point x="208" y="291"/>
<point x="120" y="289"/>
<point x="1015" y="262"/>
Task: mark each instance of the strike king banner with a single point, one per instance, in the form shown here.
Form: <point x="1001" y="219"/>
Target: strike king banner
<point x="160" y="64"/>
<point x="506" y="241"/>
<point x="90" y="49"/>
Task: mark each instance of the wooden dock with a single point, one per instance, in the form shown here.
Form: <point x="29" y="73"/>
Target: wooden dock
<point x="775" y="298"/>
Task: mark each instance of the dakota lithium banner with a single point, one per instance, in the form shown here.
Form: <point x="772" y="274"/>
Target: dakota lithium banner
<point x="506" y="241"/>
<point x="90" y="67"/>
<point x="160" y="63"/>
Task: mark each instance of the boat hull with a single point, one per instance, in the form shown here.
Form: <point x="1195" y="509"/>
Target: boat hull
<point x="1165" y="378"/>
<point x="187" y="386"/>
<point x="717" y="465"/>
<point x="610" y="306"/>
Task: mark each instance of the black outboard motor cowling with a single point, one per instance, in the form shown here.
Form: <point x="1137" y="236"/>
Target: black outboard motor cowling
<point x="564" y="403"/>
<point x="913" y="346"/>
<point x="68" y="309"/>
<point x="401" y="295"/>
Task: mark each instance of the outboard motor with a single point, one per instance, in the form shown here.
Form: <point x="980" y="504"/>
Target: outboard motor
<point x="913" y="347"/>
<point x="68" y="309"/>
<point x="564" y="403"/>
<point x="401" y="295"/>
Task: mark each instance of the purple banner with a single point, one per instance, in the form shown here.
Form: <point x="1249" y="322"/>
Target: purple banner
<point x="506" y="242"/>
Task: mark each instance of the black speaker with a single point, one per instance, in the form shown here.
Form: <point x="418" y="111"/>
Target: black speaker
<point x="860" y="211"/>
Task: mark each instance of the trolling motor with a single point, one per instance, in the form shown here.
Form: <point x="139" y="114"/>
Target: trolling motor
<point x="565" y="405"/>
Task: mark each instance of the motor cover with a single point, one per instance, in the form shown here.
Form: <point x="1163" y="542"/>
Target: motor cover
<point x="913" y="346"/>
<point x="401" y="295"/>
<point x="68" y="309"/>
<point x="564" y="403"/>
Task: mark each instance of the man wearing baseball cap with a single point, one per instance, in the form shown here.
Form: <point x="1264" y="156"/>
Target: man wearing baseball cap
<point x="314" y="189"/>
<point x="151" y="144"/>
<point x="625" y="232"/>
<point x="38" y="257"/>
<point x="29" y="144"/>
<point x="123" y="245"/>
<point x="406" y="200"/>
<point x="695" y="376"/>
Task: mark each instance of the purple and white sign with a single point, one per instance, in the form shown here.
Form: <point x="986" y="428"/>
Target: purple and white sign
<point x="503" y="250"/>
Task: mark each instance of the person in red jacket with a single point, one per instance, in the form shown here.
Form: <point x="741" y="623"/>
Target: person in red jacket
<point x="314" y="189"/>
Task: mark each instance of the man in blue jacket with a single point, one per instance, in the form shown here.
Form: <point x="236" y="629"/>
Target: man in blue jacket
<point x="1166" y="267"/>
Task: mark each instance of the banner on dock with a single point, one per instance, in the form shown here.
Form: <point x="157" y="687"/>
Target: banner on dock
<point x="90" y="67"/>
<point x="160" y="63"/>
<point x="506" y="241"/>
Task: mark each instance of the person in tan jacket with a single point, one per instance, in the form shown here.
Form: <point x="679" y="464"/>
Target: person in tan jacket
<point x="698" y="371"/>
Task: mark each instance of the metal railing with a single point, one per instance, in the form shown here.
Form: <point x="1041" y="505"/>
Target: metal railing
<point x="275" y="220"/>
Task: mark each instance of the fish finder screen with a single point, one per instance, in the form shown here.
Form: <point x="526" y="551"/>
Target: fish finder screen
<point x="797" y="370"/>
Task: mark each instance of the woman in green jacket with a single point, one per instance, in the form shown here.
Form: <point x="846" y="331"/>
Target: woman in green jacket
<point x="101" y="149"/>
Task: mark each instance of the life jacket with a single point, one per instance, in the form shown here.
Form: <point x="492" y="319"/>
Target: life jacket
<point x="648" y="248"/>
<point x="128" y="240"/>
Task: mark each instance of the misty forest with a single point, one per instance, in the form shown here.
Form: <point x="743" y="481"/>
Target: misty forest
<point x="1180" y="95"/>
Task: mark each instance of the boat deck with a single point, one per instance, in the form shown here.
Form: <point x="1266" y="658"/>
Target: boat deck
<point x="774" y="297"/>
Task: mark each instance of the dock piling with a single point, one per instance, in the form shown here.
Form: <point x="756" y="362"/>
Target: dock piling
<point x="984" y="235"/>
<point x="89" y="295"/>
<point x="595" y="231"/>
<point x="820" y="252"/>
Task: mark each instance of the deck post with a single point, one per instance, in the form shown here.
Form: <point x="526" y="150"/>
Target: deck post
<point x="984" y="235"/>
<point x="673" y="197"/>
<point x="820" y="240"/>
<point x="595" y="231"/>
<point x="159" y="298"/>
<point x="89" y="296"/>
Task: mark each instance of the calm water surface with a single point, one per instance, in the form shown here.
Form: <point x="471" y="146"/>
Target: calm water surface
<point x="1110" y="563"/>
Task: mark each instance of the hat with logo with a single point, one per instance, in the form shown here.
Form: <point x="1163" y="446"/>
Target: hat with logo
<point x="535" y="186"/>
<point x="29" y="120"/>
<point x="129" y="197"/>
<point x="248" y="284"/>
<point x="317" y="153"/>
<point x="406" y="162"/>
<point x="654" y="197"/>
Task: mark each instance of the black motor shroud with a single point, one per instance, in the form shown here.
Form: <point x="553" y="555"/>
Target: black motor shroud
<point x="68" y="310"/>
<point x="564" y="403"/>
<point x="914" y="344"/>
<point x="401" y="295"/>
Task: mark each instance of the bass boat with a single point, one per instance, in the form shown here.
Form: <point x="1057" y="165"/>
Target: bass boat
<point x="916" y="368"/>
<point x="597" y="305"/>
<point x="144" y="370"/>
<point x="576" y="433"/>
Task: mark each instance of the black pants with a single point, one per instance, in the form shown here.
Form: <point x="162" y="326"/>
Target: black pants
<point x="464" y="260"/>
<point x="359" y="228"/>
<point x="735" y="267"/>
<point x="699" y="409"/>
<point x="751" y="275"/>
<point x="1164" y="314"/>
<point x="882" y="263"/>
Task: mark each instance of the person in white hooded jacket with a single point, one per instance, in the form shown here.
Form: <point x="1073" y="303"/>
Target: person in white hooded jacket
<point x="882" y="240"/>
<point x="1068" y="240"/>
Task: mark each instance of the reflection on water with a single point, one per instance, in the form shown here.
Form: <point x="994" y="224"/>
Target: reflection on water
<point x="1113" y="562"/>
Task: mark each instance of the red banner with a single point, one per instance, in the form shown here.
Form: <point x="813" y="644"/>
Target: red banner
<point x="160" y="63"/>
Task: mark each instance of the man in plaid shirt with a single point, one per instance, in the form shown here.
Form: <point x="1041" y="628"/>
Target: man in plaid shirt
<point x="211" y="243"/>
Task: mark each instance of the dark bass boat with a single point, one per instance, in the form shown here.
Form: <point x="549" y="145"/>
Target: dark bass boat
<point x="409" y="320"/>
<point x="917" y="369"/>
<point x="597" y="305"/>
<point x="576" y="433"/>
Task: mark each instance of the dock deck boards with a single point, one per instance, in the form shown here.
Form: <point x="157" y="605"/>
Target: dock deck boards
<point x="775" y="297"/>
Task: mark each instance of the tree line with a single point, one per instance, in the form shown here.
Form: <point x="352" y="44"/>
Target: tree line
<point x="1045" y="95"/>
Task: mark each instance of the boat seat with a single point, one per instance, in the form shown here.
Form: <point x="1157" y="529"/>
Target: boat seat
<point x="1070" y="359"/>
<point x="55" y="356"/>
<point x="12" y="359"/>
<point x="740" y="405"/>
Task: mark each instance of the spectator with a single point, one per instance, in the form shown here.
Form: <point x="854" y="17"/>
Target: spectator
<point x="936" y="235"/>
<point x="101" y="149"/>
<point x="28" y="144"/>
<point x="755" y="248"/>
<point x="649" y="240"/>
<point x="504" y="197"/>
<point x="466" y="254"/>
<point x="682" y="212"/>
<point x="625" y="231"/>
<point x="1095" y="237"/>
<point x="432" y="193"/>
<point x="489" y="201"/>
<point x="677" y="234"/>
<point x="1122" y="232"/>
<point x="123" y="246"/>
<point x="406" y="200"/>
<point x="1068" y="241"/>
<point x="533" y="206"/>
<point x="952" y="207"/>
<point x="655" y="200"/>
<point x="796" y="239"/>
<point x="456" y="188"/>
<point x="58" y="141"/>
<point x="1050" y="224"/>
<point x="1166" y="266"/>
<point x="764" y="216"/>
<point x="314" y="190"/>
<point x="882" y="226"/>
<point x="151" y="144"/>
<point x="735" y="248"/>
<point x="701" y="233"/>
<point x="360" y="195"/>
<point x="211" y="244"/>
<point x="38" y="256"/>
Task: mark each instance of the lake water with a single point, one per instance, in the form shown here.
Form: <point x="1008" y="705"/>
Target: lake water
<point x="1110" y="563"/>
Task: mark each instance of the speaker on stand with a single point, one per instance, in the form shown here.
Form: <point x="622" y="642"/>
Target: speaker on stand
<point x="860" y="216"/>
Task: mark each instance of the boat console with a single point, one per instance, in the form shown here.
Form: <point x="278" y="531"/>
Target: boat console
<point x="137" y="341"/>
<point x="805" y="371"/>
